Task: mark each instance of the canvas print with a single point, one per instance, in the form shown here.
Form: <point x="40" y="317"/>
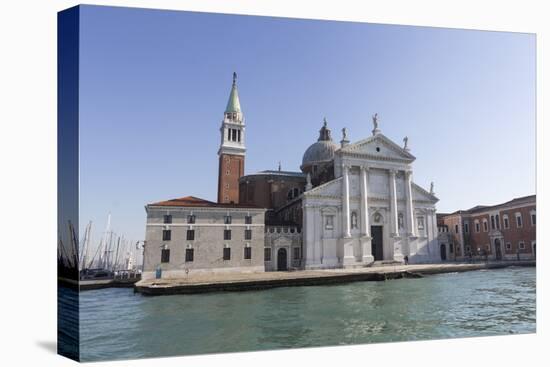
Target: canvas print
<point x="232" y="183"/>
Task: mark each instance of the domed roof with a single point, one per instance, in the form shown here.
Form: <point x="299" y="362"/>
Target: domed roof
<point x="322" y="150"/>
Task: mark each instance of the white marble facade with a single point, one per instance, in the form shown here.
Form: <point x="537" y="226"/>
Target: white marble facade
<point x="372" y="191"/>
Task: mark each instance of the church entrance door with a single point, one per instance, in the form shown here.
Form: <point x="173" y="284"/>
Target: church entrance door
<point x="281" y="260"/>
<point x="376" y="243"/>
<point x="498" y="251"/>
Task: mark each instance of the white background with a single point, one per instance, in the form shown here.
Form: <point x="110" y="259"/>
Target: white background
<point x="28" y="181"/>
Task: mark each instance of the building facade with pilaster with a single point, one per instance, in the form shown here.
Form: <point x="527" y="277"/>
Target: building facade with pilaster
<point x="371" y="211"/>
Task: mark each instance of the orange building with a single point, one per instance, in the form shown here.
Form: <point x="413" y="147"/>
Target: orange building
<point x="498" y="232"/>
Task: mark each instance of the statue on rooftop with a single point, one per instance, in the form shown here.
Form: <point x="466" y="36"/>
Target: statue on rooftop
<point x="375" y="121"/>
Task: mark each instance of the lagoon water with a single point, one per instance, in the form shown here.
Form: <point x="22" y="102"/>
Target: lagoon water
<point x="118" y="324"/>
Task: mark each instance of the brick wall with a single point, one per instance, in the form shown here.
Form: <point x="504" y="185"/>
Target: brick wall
<point x="231" y="168"/>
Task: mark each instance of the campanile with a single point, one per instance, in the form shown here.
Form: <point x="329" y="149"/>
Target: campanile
<point x="232" y="149"/>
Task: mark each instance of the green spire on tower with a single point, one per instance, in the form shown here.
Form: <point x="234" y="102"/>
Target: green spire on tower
<point x="233" y="105"/>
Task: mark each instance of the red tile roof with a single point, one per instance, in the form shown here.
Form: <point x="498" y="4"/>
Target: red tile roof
<point x="195" y="202"/>
<point x="482" y="208"/>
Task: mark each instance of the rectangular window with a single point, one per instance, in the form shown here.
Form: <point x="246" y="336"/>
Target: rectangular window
<point x="533" y="219"/>
<point x="165" y="255"/>
<point x="456" y="228"/>
<point x="227" y="219"/>
<point x="451" y="248"/>
<point x="296" y="253"/>
<point x="508" y="246"/>
<point x="239" y="136"/>
<point x="248" y="219"/>
<point x="497" y="219"/>
<point x="191" y="219"/>
<point x="227" y="253"/>
<point x="485" y="226"/>
<point x="329" y="222"/>
<point x="519" y="222"/>
<point x="166" y="235"/>
<point x="522" y="245"/>
<point x="506" y="223"/>
<point x="248" y="253"/>
<point x="189" y="255"/>
<point x="477" y="227"/>
<point x="226" y="234"/>
<point x="267" y="254"/>
<point x="420" y="222"/>
<point x="190" y="235"/>
<point x="247" y="234"/>
<point x="167" y="219"/>
<point x="492" y="222"/>
<point x="466" y="228"/>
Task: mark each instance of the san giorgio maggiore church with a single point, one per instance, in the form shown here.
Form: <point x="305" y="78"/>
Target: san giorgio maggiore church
<point x="352" y="204"/>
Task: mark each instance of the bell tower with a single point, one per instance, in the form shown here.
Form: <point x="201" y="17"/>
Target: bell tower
<point x="232" y="150"/>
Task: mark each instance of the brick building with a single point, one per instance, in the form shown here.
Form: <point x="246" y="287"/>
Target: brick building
<point x="500" y="232"/>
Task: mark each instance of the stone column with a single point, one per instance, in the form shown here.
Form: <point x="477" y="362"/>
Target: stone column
<point x="393" y="204"/>
<point x="365" y="226"/>
<point x="410" y="209"/>
<point x="397" y="252"/>
<point x="366" y="240"/>
<point x="346" y="233"/>
<point x="308" y="233"/>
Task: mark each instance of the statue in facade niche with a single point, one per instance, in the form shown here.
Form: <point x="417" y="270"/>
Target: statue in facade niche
<point x="353" y="220"/>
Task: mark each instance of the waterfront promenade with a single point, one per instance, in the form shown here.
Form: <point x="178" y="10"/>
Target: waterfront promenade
<point x="216" y="282"/>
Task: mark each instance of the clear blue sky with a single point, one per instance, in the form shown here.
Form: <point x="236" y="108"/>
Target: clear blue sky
<point x="154" y="85"/>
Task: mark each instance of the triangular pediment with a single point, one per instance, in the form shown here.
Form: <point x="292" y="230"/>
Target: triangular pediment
<point x="378" y="147"/>
<point x="420" y="194"/>
<point x="329" y="189"/>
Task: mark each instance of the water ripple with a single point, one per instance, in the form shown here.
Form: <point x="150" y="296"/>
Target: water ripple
<point x="116" y="323"/>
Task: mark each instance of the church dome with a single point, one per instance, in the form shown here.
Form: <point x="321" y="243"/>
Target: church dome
<point x="322" y="150"/>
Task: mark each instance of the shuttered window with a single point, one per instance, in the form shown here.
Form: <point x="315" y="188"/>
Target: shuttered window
<point x="226" y="234"/>
<point x="165" y="255"/>
<point x="227" y="253"/>
<point x="189" y="254"/>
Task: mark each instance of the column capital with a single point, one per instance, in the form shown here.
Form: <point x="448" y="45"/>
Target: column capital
<point x="365" y="168"/>
<point x="392" y="171"/>
<point x="408" y="173"/>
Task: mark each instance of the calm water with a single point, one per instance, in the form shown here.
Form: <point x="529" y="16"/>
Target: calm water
<point x="116" y="323"/>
